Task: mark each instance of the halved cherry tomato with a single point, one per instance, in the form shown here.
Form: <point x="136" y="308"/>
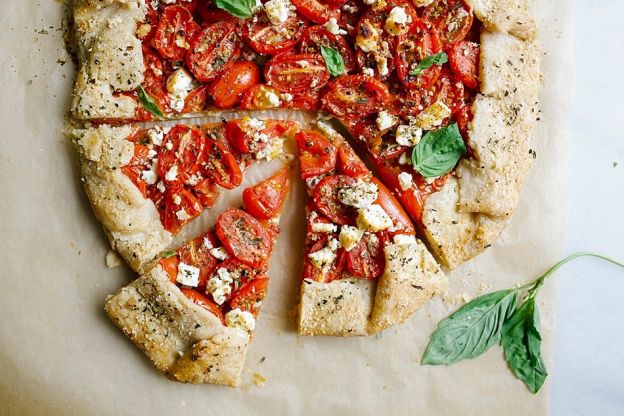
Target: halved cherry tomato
<point x="355" y="96"/>
<point x="333" y="270"/>
<point x="191" y="5"/>
<point x="313" y="236"/>
<point x="228" y="90"/>
<point x="255" y="98"/>
<point x="349" y="15"/>
<point x="155" y="79"/>
<point x="241" y="273"/>
<point x="349" y="163"/>
<point x="209" y="14"/>
<point x="221" y="165"/>
<point x="170" y="266"/>
<point x="206" y="192"/>
<point x="250" y="296"/>
<point x="464" y="60"/>
<point x="197" y="254"/>
<point x="367" y="260"/>
<point x="420" y="42"/>
<point x="326" y="200"/>
<point x="452" y="18"/>
<point x="317" y="36"/>
<point x="196" y="101"/>
<point x="316" y="154"/>
<point x="316" y="10"/>
<point x="214" y="48"/>
<point x="451" y="92"/>
<point x="174" y="32"/>
<point x="243" y="138"/>
<point x="204" y="302"/>
<point x="134" y="173"/>
<point x="309" y="101"/>
<point x="180" y="207"/>
<point x="244" y="237"/>
<point x="180" y="154"/>
<point x="392" y="207"/>
<point x="270" y="39"/>
<point x="296" y="73"/>
<point x="266" y="200"/>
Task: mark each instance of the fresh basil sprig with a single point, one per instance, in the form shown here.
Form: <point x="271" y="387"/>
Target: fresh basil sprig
<point x="148" y="102"/>
<point x="436" y="59"/>
<point x="239" y="8"/>
<point x="333" y="61"/>
<point x="438" y="152"/>
<point x="494" y="318"/>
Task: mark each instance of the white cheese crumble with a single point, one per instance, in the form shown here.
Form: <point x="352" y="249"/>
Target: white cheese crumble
<point x="367" y="38"/>
<point x="350" y="236"/>
<point x="385" y="120"/>
<point x="373" y="218"/>
<point x="156" y="136"/>
<point x="172" y="173"/>
<point x="219" y="253"/>
<point x="150" y="176"/>
<point x="272" y="99"/>
<point x="408" y="135"/>
<point x="405" y="181"/>
<point x="324" y="227"/>
<point x="360" y="195"/>
<point x="368" y="72"/>
<point x="277" y="10"/>
<point x="183" y="215"/>
<point x="405" y="159"/>
<point x="273" y="149"/>
<point x="187" y="275"/>
<point x="433" y="116"/>
<point x="219" y="285"/>
<point x="332" y="27"/>
<point x="324" y="257"/>
<point x="179" y="85"/>
<point x="382" y="66"/>
<point x="241" y="320"/>
<point x="398" y="21"/>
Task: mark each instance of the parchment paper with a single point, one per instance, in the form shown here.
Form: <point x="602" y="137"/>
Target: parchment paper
<point x="59" y="354"/>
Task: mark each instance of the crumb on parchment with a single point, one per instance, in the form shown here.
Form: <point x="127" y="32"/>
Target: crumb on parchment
<point x="258" y="379"/>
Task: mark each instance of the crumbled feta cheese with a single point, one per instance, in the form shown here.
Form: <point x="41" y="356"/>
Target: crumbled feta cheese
<point x="313" y="181"/>
<point x="405" y="159"/>
<point x="177" y="199"/>
<point x="241" y="320"/>
<point x="273" y="149"/>
<point x="219" y="285"/>
<point x="194" y="179"/>
<point x="373" y="218"/>
<point x="332" y="27"/>
<point x="369" y="72"/>
<point x="183" y="215"/>
<point x="150" y="176"/>
<point x="382" y="66"/>
<point x="422" y="3"/>
<point x="369" y="2"/>
<point x="398" y="21"/>
<point x="367" y="38"/>
<point x="350" y="9"/>
<point x="385" y="120"/>
<point x="324" y="227"/>
<point x="207" y="243"/>
<point x="405" y="181"/>
<point x="151" y="153"/>
<point x="408" y="135"/>
<point x="325" y="256"/>
<point x="168" y="145"/>
<point x="433" y="116"/>
<point x="179" y="84"/>
<point x="172" y="173"/>
<point x="286" y="97"/>
<point x="404" y="240"/>
<point x="277" y="10"/>
<point x="361" y="195"/>
<point x="273" y="99"/>
<point x="156" y="136"/>
<point x="161" y="187"/>
<point x="254" y="123"/>
<point x="219" y="253"/>
<point x="187" y="275"/>
<point x="350" y="236"/>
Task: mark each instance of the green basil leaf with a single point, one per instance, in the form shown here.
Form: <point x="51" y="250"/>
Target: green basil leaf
<point x="148" y="102"/>
<point x="239" y="8"/>
<point x="168" y="254"/>
<point x="472" y="330"/>
<point x="333" y="61"/>
<point x="522" y="342"/>
<point x="438" y="152"/>
<point x="437" y="59"/>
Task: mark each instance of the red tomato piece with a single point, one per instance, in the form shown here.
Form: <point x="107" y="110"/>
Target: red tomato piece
<point x="333" y="270"/>
<point x="266" y="200"/>
<point x="317" y="36"/>
<point x="270" y="39"/>
<point x="244" y="237"/>
<point x="228" y="90"/>
<point x="355" y="96"/>
<point x="392" y="207"/>
<point x="204" y="302"/>
<point x="326" y="200"/>
<point x="170" y="266"/>
<point x="255" y="98"/>
<point x="180" y="154"/>
<point x="296" y="73"/>
<point x="250" y="296"/>
<point x="309" y="101"/>
<point x="349" y="163"/>
<point x="420" y="42"/>
<point x="367" y="260"/>
<point x="221" y="165"/>
<point x="316" y="155"/>
<point x="175" y="29"/>
<point x="452" y="18"/>
<point x="196" y="101"/>
<point x="206" y="192"/>
<point x="155" y="79"/>
<point x="464" y="60"/>
<point x="242" y="137"/>
<point x="214" y="48"/>
<point x="197" y="254"/>
<point x="316" y="10"/>
<point x="180" y="207"/>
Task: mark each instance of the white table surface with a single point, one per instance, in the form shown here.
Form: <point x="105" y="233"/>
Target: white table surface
<point x="588" y="373"/>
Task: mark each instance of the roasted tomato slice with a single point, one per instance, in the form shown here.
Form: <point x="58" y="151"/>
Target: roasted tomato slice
<point x="180" y="154"/>
<point x="316" y="154"/>
<point x="355" y="96"/>
<point x="349" y="163"/>
<point x="244" y="138"/>
<point x="156" y="74"/>
<point x="214" y="48"/>
<point x="317" y="11"/>
<point x="197" y="99"/>
<point x="244" y="237"/>
<point x="221" y="165"/>
<point x="350" y="15"/>
<point x="366" y="260"/>
<point x="196" y="253"/>
<point x="179" y="207"/>
<point x="464" y="60"/>
<point x="400" y="219"/>
<point x="204" y="302"/>
<point x="266" y="200"/>
<point x="170" y="266"/>
<point x="296" y="73"/>
<point x="452" y="18"/>
<point x="270" y="39"/>
<point x="175" y="29"/>
<point x="249" y="297"/>
<point x="206" y="192"/>
<point x="317" y="36"/>
<point x="420" y="42"/>
<point x="228" y="90"/>
<point x="257" y="98"/>
<point x="191" y="5"/>
<point x="326" y="200"/>
<point x="328" y="273"/>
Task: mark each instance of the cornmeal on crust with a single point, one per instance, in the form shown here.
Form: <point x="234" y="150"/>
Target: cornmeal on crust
<point x="130" y="220"/>
<point x="110" y="57"/>
<point x="181" y="339"/>
<point x="353" y="307"/>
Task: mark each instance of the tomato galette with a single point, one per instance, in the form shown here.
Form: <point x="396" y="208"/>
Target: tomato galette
<point x="193" y="313"/>
<point x="146" y="183"/>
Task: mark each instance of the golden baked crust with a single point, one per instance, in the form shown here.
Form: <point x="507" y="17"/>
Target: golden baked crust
<point x="131" y="221"/>
<point x="182" y="340"/>
<point x="506" y="16"/>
